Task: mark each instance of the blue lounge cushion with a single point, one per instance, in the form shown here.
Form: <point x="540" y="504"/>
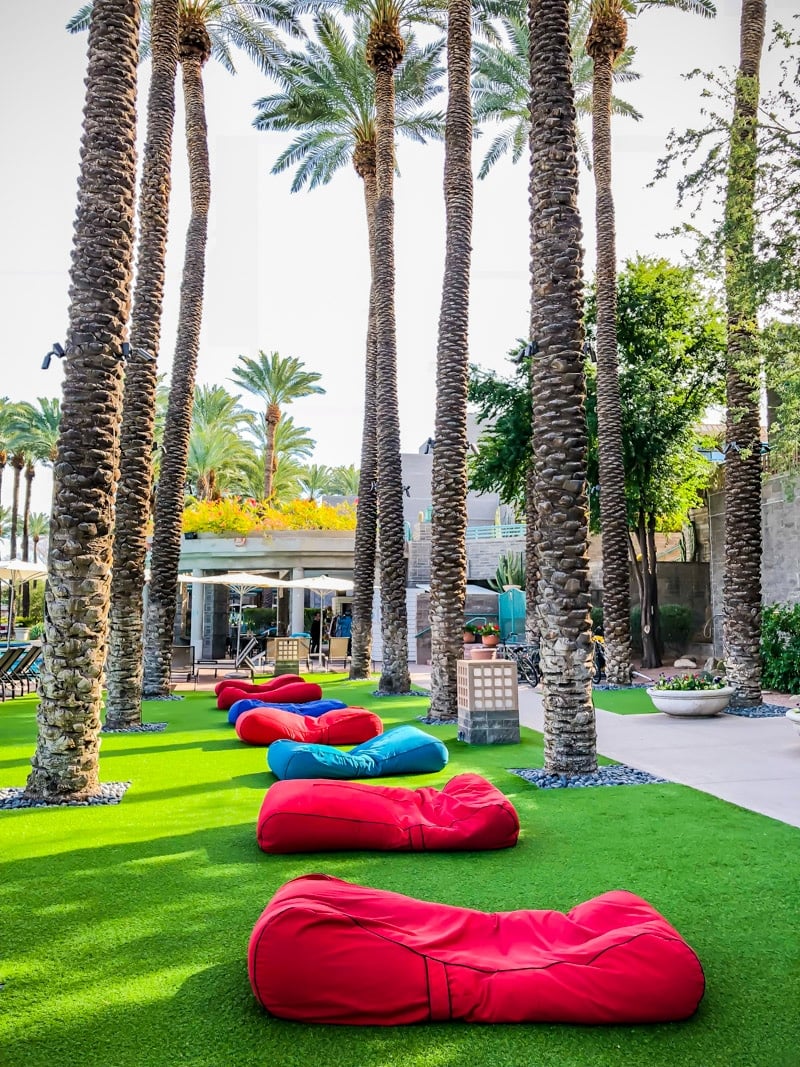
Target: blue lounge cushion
<point x="404" y="750"/>
<point x="314" y="708"/>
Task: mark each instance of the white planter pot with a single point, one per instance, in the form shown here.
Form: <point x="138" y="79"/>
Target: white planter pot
<point x="691" y="704"/>
<point x="794" y="719"/>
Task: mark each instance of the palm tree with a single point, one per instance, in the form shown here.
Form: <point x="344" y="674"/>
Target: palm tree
<point x="6" y="414"/>
<point x="39" y="525"/>
<point x="206" y="28"/>
<point x="501" y="84"/>
<point x="605" y="44"/>
<point x="329" y="96"/>
<point x="134" y="493"/>
<point x="742" y="577"/>
<point x="65" y="763"/>
<point x="292" y="444"/>
<point x="17" y="460"/>
<point x="449" y="475"/>
<point x="218" y="454"/>
<point x="315" y="481"/>
<point x="277" y="380"/>
<point x="558" y="389"/>
<point x="37" y="428"/>
<point x="345" y="480"/>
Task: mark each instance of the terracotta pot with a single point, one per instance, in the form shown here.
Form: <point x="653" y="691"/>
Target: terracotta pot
<point x="480" y="652"/>
<point x="468" y="637"/>
<point x="490" y="640"/>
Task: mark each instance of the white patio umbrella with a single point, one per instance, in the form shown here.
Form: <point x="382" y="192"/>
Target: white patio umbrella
<point x="18" y="570"/>
<point x="240" y="582"/>
<point x="322" y="584"/>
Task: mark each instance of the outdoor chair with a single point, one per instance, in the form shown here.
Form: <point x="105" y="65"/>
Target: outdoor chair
<point x="337" y="650"/>
<point x="183" y="667"/>
<point x="7" y="661"/>
<point x="25" y="672"/>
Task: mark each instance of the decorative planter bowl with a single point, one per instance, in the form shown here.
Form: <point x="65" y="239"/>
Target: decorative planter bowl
<point x="793" y="715"/>
<point x="691" y="703"/>
<point x="490" y="640"/>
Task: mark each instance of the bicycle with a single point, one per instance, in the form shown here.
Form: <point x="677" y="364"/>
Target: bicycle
<point x="526" y="658"/>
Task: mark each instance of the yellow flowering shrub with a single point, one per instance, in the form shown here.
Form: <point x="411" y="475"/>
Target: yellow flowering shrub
<point x="239" y="517"/>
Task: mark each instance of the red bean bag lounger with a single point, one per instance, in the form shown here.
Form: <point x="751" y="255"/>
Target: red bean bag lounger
<point x="328" y="951"/>
<point x="292" y="693"/>
<point x="342" y="726"/>
<point x="260" y="687"/>
<point x="321" y="815"/>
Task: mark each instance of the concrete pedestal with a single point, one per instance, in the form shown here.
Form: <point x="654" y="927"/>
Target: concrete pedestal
<point x="488" y="702"/>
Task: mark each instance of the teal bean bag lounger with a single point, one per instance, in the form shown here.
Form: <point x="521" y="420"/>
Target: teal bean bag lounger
<point x="404" y="750"/>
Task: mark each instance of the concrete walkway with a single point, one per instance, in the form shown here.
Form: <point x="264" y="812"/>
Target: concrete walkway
<point x="754" y="763"/>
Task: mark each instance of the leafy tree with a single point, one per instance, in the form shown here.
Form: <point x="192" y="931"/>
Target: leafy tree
<point x="671" y="344"/>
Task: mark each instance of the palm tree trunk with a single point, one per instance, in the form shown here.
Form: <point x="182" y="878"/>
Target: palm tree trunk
<point x="742" y="579"/>
<point x="271" y="419"/>
<point x="124" y="698"/>
<point x="367" y="508"/>
<point x="161" y="603"/>
<point x="17" y="465"/>
<point x="26" y="516"/>
<point x="449" y="479"/>
<point x="65" y="763"/>
<point x="605" y="43"/>
<point x="395" y="677"/>
<point x="558" y="388"/>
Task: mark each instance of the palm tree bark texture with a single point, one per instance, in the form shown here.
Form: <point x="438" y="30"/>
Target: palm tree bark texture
<point x="605" y="44"/>
<point x="126" y="630"/>
<point x="559" y="427"/>
<point x="742" y="578"/>
<point x="194" y="49"/>
<point x="449" y="477"/>
<point x="66" y="763"/>
<point x="385" y="49"/>
<point x="367" y="508"/>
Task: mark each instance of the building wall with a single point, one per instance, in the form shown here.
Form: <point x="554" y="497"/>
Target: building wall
<point x="780" y="560"/>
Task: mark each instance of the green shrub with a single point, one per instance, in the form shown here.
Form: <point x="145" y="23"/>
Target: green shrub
<point x="597" y="620"/>
<point x="676" y="624"/>
<point x="36" y="631"/>
<point x="780" y="647"/>
<point x="23" y="620"/>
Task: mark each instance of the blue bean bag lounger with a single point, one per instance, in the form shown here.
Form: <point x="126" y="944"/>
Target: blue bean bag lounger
<point x="404" y="750"/>
<point x="324" y="816"/>
<point x="329" y="951"/>
<point x="314" y="708"/>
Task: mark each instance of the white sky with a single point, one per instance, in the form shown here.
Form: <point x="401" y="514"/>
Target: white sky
<point x="289" y="272"/>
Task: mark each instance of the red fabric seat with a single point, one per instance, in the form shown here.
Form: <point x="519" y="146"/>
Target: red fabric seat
<point x="321" y="815"/>
<point x="343" y="726"/>
<point x="291" y="693"/>
<point x="257" y="687"/>
<point x="328" y="951"/>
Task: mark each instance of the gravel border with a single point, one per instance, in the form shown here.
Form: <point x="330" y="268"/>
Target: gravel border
<point x="608" y="686"/>
<point x="12" y="799"/>
<point x="410" y="693"/>
<point x="761" y="711"/>
<point x="434" y="720"/>
<point x="138" y="728"/>
<point x="616" y="774"/>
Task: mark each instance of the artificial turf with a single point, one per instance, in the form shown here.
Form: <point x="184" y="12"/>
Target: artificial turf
<point x="624" y="701"/>
<point x="124" y="929"/>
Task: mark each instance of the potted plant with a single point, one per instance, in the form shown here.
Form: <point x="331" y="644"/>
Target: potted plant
<point x="490" y="634"/>
<point x="793" y="715"/>
<point x="691" y="695"/>
<point x="471" y="631"/>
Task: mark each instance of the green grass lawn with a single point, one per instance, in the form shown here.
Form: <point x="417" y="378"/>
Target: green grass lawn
<point x="624" y="701"/>
<point x="124" y="929"/>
